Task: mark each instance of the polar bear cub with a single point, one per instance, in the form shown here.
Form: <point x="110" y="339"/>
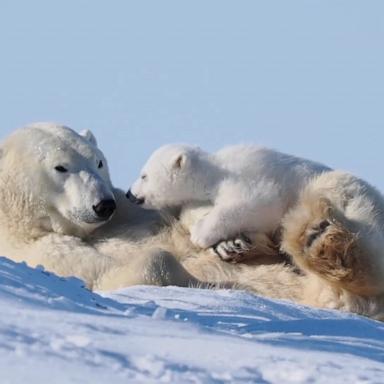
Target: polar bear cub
<point x="247" y="188"/>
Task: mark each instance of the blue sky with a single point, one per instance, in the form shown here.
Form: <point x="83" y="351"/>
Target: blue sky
<point x="304" y="77"/>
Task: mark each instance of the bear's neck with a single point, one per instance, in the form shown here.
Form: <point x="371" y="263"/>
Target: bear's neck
<point x="212" y="175"/>
<point x="21" y="218"/>
<point x="17" y="219"/>
<point x="23" y="223"/>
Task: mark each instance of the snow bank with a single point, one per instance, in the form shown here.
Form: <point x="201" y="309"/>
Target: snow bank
<point x="54" y="330"/>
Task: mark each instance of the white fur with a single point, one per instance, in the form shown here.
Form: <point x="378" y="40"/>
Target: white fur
<point x="332" y="223"/>
<point x="249" y="188"/>
<point x="47" y="218"/>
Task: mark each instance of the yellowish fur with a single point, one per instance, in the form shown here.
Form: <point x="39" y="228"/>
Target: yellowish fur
<point x="335" y="235"/>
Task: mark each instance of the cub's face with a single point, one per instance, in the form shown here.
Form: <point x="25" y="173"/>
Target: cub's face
<point x="62" y="174"/>
<point x="168" y="179"/>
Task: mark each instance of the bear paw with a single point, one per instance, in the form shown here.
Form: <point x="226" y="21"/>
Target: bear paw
<point x="233" y="250"/>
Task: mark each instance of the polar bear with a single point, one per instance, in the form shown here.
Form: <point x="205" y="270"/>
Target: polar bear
<point x="240" y="192"/>
<point x="331" y="223"/>
<point x="59" y="209"/>
<point x="55" y="193"/>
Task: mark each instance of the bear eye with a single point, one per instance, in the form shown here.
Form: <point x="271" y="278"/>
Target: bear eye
<point x="60" y="168"/>
<point x="100" y="164"/>
<point x="143" y="177"/>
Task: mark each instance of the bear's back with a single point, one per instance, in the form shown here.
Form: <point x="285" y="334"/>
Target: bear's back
<point x="251" y="163"/>
<point x="250" y="160"/>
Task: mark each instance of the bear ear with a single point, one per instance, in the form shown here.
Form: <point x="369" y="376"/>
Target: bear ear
<point x="180" y="161"/>
<point x="88" y="135"/>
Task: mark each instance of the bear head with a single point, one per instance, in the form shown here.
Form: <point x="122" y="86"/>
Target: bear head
<point x="53" y="179"/>
<point x="174" y="175"/>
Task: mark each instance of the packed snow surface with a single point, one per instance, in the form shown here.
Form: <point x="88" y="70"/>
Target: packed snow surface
<point x="53" y="330"/>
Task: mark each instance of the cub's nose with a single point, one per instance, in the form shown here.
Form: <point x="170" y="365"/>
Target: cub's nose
<point x="105" y="208"/>
<point x="133" y="199"/>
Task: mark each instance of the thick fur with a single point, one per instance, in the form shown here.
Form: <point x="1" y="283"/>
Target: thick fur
<point x="336" y="235"/>
<point x="329" y="222"/>
<point x="47" y="218"/>
<point x="333" y="233"/>
<point x="243" y="189"/>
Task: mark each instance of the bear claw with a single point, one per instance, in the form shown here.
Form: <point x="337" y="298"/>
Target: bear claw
<point x="234" y="249"/>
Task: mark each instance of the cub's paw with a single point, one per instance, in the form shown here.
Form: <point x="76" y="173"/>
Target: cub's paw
<point x="233" y="250"/>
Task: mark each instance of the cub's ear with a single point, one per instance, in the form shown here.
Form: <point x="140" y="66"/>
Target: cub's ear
<point x="180" y="161"/>
<point x="88" y="135"/>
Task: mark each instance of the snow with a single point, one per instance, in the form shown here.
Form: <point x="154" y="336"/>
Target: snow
<point x="54" y="330"/>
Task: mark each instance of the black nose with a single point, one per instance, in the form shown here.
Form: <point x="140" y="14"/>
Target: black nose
<point x="133" y="199"/>
<point x="105" y="208"/>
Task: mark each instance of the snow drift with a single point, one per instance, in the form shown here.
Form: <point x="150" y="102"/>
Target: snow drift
<point x="54" y="330"/>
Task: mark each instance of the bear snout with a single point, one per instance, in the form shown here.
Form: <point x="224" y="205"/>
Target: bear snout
<point x="105" y="208"/>
<point x="134" y="199"/>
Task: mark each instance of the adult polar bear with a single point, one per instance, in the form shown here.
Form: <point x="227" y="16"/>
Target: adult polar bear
<point x="331" y="223"/>
<point x="56" y="210"/>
